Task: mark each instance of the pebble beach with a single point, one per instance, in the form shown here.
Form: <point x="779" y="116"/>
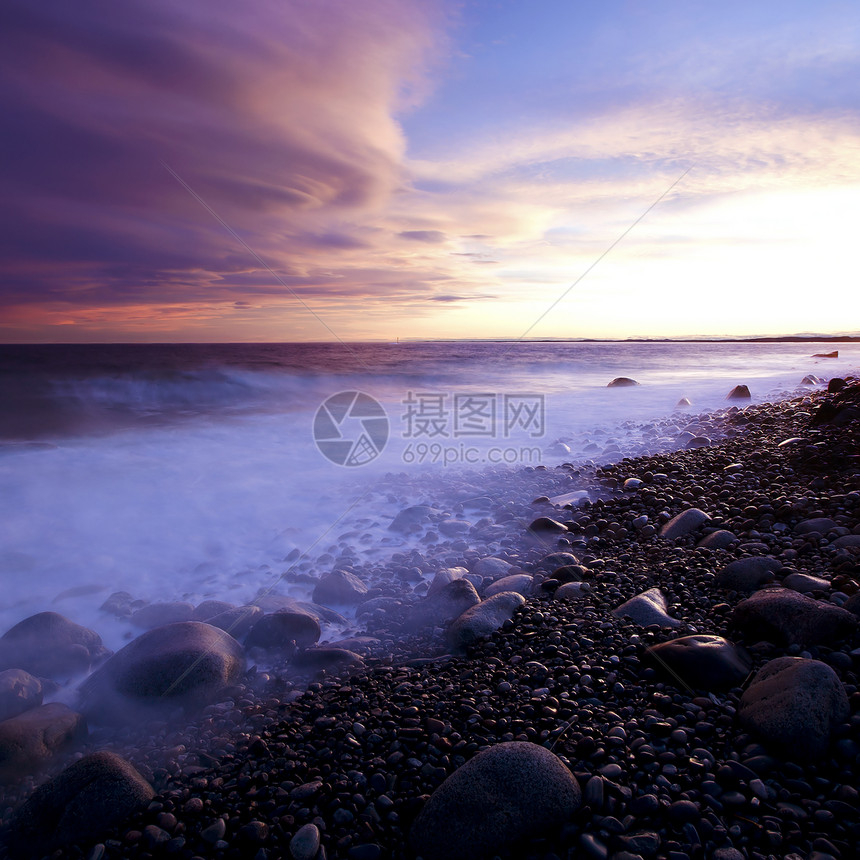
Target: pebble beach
<point x="557" y="722"/>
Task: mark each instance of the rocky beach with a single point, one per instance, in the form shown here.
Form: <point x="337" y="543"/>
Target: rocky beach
<point x="655" y="658"/>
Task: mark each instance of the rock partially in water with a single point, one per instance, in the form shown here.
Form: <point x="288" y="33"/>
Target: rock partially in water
<point x="510" y="791"/>
<point x="49" y="645"/>
<point x="184" y="663"/>
<point x="84" y="801"/>
<point x="339" y="588"/>
<point x="522" y="583"/>
<point x="277" y="630"/>
<point x="622" y="382"/>
<point x="739" y="392"/>
<point x="794" y="704"/>
<point x="19" y="691"/>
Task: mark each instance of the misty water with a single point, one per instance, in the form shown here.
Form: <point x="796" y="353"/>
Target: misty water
<point x="192" y="472"/>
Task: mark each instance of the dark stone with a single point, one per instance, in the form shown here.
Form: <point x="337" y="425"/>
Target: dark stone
<point x="700" y="662"/>
<point x="684" y="523"/>
<point x="445" y="605"/>
<point x="339" y="588"/>
<point x="326" y="659"/>
<point x="748" y="574"/>
<point x="483" y="619"/>
<point x="87" y="799"/>
<point x="278" y="630"/>
<point x="158" y="614"/>
<point x="19" y="692"/>
<point x="32" y="738"/>
<point x="183" y="663"/>
<point x="739" y="392"/>
<point x="510" y="791"/>
<point x="794" y="704"/>
<point x="785" y="617"/>
<point x="622" y="382"/>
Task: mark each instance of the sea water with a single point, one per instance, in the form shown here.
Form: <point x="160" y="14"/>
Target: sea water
<point x="187" y="472"/>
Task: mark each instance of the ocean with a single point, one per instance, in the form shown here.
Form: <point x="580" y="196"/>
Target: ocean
<point x="195" y="471"/>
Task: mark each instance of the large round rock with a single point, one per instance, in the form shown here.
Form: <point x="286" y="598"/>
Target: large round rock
<point x="49" y="645"/>
<point x="19" y="692"/>
<point x="784" y="617"/>
<point x="508" y="792"/>
<point x="483" y="619"/>
<point x="684" y="523"/>
<point x="700" y="662"/>
<point x="277" y="630"/>
<point x="339" y="588"/>
<point x="182" y="662"/>
<point x="794" y="704"/>
<point x="85" y="800"/>
<point x="646" y="609"/>
<point x="748" y="574"/>
<point x="32" y="738"/>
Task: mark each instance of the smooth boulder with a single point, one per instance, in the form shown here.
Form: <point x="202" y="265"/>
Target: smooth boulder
<point x="86" y="800"/>
<point x="278" y="630"/>
<point x="794" y="704"/>
<point x="158" y="614"/>
<point x="785" y="617"/>
<point x="622" y="382"/>
<point x="505" y="793"/>
<point x="183" y="663"/>
<point x="492" y="567"/>
<point x="339" y="588"/>
<point x="748" y="574"/>
<point x="49" y="645"/>
<point x="483" y="619"/>
<point x="739" y="392"/>
<point x="646" y="609"/>
<point x="522" y="583"/>
<point x="32" y="738"/>
<point x="719" y="539"/>
<point x="442" y="577"/>
<point x="700" y="662"/>
<point x="443" y="606"/>
<point x="684" y="523"/>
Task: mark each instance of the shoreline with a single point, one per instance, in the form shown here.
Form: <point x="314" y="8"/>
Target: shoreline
<point x="391" y="734"/>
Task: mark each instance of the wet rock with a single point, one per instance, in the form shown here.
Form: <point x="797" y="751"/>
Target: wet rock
<point x="452" y="528"/>
<point x="522" y="583"/>
<point x="158" y="614"/>
<point x="445" y="605"/>
<point x="339" y="588"/>
<point x="622" y="382"/>
<point x="19" y="692"/>
<point x="684" y="523"/>
<point x="32" y="738"/>
<point x="739" y="392"/>
<point x="481" y="620"/>
<point x="510" y="791"/>
<point x="326" y="658"/>
<point x="412" y="518"/>
<point x="784" y="617"/>
<point x="87" y="799"/>
<point x="543" y="526"/>
<point x="180" y="663"/>
<point x="794" y="703"/>
<point x="210" y="608"/>
<point x="278" y="630"/>
<point x="647" y="608"/>
<point x="49" y="645"/>
<point x="121" y="604"/>
<point x="748" y="574"/>
<point x="700" y="662"/>
<point x="237" y="621"/>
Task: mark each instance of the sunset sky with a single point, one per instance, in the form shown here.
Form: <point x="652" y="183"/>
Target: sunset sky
<point x="209" y="170"/>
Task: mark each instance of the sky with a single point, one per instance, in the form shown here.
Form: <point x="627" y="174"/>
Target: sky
<point x="306" y="170"/>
